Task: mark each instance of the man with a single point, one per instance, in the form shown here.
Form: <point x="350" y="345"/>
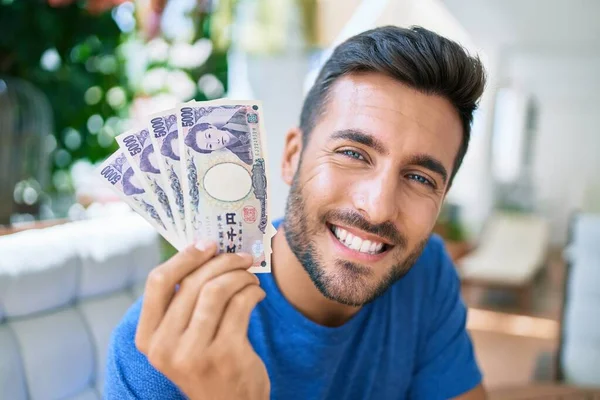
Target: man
<point x="363" y="302"/>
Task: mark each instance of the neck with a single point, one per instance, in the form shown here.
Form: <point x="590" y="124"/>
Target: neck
<point x="298" y="288"/>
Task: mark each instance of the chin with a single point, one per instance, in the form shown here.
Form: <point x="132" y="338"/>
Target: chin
<point x="348" y="284"/>
<point x="346" y="280"/>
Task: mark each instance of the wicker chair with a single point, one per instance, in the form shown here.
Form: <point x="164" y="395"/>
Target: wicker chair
<point x="25" y="123"/>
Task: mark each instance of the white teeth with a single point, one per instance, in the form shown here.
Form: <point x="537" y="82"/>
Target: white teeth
<point x="355" y="242"/>
<point x="365" y="247"/>
<point x="348" y="240"/>
<point x="373" y="247"/>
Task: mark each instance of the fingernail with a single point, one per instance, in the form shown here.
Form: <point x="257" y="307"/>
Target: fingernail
<point x="203" y="245"/>
<point x="257" y="280"/>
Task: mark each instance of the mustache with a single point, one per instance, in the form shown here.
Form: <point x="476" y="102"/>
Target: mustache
<point x="351" y="218"/>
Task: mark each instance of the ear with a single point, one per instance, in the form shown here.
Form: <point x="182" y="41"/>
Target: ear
<point x="291" y="155"/>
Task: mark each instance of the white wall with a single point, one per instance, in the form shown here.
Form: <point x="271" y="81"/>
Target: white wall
<point x="277" y="80"/>
<point x="473" y="189"/>
<point x="567" y="148"/>
<point x="567" y="158"/>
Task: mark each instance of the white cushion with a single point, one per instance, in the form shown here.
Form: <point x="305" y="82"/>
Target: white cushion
<point x="145" y="258"/>
<point x="512" y="249"/>
<point x="103" y="276"/>
<point x="581" y="325"/>
<point x="3" y="288"/>
<point x="585" y="240"/>
<point x="12" y="379"/>
<point x="40" y="261"/>
<point x="36" y="249"/>
<point x="584" y="278"/>
<point x="111" y="250"/>
<point x="33" y="291"/>
<point x="52" y="344"/>
<point x="57" y="353"/>
<point x="581" y="317"/>
<point x="580" y="361"/>
<point x="101" y="316"/>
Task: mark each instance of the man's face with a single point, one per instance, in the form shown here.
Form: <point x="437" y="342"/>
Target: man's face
<point x="369" y="185"/>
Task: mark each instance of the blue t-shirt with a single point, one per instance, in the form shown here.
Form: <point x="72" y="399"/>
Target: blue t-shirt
<point x="409" y="343"/>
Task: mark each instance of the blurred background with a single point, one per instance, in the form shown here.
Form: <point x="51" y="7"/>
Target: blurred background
<point x="522" y="221"/>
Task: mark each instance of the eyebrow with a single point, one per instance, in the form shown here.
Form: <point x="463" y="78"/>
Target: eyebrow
<point x="423" y="160"/>
<point x="426" y="161"/>
<point x="358" y="136"/>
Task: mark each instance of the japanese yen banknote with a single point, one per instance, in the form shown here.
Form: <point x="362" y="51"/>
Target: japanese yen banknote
<point x="117" y="172"/>
<point x="199" y="171"/>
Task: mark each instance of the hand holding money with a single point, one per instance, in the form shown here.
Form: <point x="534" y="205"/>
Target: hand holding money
<point x="199" y="172"/>
<point x="197" y="337"/>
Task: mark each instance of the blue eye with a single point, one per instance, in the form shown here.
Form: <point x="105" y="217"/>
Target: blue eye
<point x="420" y="179"/>
<point x="352" y="154"/>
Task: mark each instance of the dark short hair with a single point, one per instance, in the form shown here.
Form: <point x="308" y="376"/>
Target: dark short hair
<point x="415" y="56"/>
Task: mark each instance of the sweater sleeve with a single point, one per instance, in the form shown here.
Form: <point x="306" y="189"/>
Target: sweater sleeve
<point x="129" y="375"/>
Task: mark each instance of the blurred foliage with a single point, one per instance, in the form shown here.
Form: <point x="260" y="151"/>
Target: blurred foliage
<point x="166" y="250"/>
<point x="65" y="52"/>
<point x="263" y="26"/>
<point x="449" y="225"/>
<point x="88" y="65"/>
<point x="99" y="72"/>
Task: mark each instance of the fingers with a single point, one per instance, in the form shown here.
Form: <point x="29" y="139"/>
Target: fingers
<point x="160" y="287"/>
<point x="180" y="310"/>
<point x="234" y="325"/>
<point x="211" y="304"/>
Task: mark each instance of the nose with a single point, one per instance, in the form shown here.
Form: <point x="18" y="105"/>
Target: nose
<point x="377" y="198"/>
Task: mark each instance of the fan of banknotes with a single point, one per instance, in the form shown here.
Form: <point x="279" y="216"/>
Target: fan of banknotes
<point x="199" y="172"/>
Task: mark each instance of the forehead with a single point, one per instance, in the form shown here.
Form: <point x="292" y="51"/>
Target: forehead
<point x="404" y="118"/>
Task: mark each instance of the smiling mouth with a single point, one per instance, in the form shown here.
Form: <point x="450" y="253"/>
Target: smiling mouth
<point x="356" y="243"/>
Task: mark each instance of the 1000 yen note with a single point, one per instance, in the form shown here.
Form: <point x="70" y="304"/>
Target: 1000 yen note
<point x="118" y="174"/>
<point x="165" y="139"/>
<point x="225" y="185"/>
<point x="138" y="149"/>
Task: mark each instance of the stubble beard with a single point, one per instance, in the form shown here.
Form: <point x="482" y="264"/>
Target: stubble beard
<point x="348" y="282"/>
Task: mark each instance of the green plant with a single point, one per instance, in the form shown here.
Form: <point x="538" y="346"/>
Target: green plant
<point x="449" y="219"/>
<point x="88" y="65"/>
<point x="69" y="54"/>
